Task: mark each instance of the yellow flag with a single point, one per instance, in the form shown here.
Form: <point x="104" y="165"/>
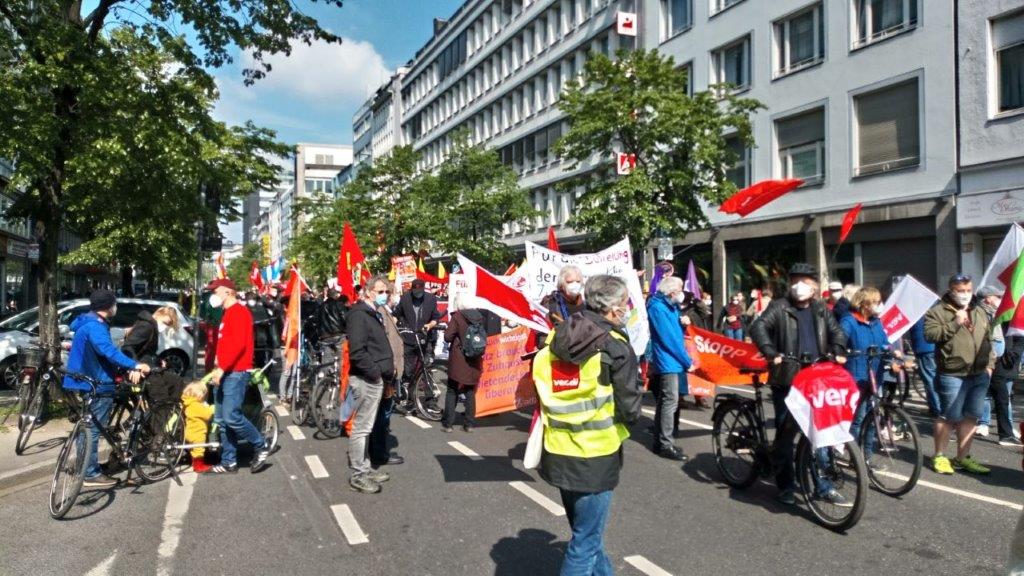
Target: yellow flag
<point x="421" y="268"/>
<point x="441" y="272"/>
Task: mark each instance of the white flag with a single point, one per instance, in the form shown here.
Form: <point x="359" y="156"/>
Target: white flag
<point x="907" y="304"/>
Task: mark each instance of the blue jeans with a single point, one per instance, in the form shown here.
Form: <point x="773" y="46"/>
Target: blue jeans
<point x="588" y="515"/>
<point x="962" y="396"/>
<point x="101" y="407"/>
<point x="858" y="420"/>
<point x="734" y="333"/>
<point x="228" y="399"/>
<point x="926" y="371"/>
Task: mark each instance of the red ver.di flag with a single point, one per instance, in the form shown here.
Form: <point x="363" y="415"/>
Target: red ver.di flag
<point x="907" y="304"/>
<point x="823" y="399"/>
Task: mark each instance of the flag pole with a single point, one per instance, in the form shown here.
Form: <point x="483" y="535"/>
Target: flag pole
<point x="298" y="357"/>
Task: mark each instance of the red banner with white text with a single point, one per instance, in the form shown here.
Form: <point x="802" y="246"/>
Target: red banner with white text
<point x="718" y="360"/>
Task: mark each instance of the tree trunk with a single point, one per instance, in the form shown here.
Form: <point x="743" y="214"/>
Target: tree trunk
<point x="46" y="273"/>
<point x="127" y="289"/>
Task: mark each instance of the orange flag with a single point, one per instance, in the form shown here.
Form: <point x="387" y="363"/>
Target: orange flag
<point x="292" y="318"/>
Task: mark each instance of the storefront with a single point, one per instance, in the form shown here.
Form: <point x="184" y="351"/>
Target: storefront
<point x="983" y="220"/>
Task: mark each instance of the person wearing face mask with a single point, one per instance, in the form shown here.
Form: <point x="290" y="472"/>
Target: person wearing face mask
<point x="567" y="299"/>
<point x="266" y="341"/>
<point x="731" y="320"/>
<point x="669" y="364"/>
<point x="377" y="447"/>
<point x="589" y="395"/>
<point x="209" y="321"/>
<point x="142" y="341"/>
<point x="759" y="301"/>
<point x="371" y="364"/>
<point x="863" y="331"/>
<point x="799" y="325"/>
<point x="1007" y="349"/>
<point x="965" y="361"/>
<point x="417" y="311"/>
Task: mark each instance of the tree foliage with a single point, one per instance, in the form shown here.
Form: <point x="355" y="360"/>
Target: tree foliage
<point x="638" y="104"/>
<point x="239" y="268"/>
<point x="106" y="115"/>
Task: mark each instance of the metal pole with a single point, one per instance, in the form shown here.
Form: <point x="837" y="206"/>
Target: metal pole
<point x="195" y="298"/>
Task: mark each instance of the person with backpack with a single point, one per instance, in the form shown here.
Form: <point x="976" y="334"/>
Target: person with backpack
<point x="467" y="334"/>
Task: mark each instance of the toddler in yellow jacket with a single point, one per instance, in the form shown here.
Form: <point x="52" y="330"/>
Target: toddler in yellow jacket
<point x="197" y="422"/>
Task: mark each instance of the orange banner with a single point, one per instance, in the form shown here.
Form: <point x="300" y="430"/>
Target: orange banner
<point x="506" y="383"/>
<point x="718" y="360"/>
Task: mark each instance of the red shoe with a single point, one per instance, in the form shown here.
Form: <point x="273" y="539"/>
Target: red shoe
<point x="200" y="466"/>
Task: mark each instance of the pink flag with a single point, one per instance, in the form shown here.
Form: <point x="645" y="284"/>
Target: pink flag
<point x="907" y="304"/>
<point x="485" y="290"/>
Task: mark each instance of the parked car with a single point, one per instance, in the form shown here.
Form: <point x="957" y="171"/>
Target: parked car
<point x="22" y="329"/>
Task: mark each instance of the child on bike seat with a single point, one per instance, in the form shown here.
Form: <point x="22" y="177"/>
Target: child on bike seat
<point x="197" y="422"/>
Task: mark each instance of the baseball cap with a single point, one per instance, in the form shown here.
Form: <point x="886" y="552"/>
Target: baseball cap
<point x="221" y="283"/>
<point x="418" y="283"/>
<point x="803" y="269"/>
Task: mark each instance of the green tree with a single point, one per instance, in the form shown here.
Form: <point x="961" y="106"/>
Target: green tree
<point x="62" y="82"/>
<point x="239" y="268"/>
<point x="315" y="246"/>
<point x="472" y="196"/>
<point x="638" y="104"/>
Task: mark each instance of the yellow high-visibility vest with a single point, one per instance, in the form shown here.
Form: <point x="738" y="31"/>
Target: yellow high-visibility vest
<point x="578" y="410"/>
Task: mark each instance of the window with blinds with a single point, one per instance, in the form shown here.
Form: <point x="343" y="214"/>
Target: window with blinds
<point x="888" y="129"/>
<point x="676" y="17"/>
<point x="1008" y="44"/>
<point x="801" y="144"/>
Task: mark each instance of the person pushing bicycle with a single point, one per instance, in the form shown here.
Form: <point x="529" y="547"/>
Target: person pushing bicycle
<point x="94" y="354"/>
<point x="799" y="325"/>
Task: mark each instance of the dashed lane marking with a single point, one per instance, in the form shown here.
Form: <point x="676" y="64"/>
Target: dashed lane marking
<point x="353" y="533"/>
<point x="646" y="566"/>
<point x="700" y="425"/>
<point x="178" y="499"/>
<point x="539" y="498"/>
<point x="103" y="568"/>
<point x="465" y="451"/>
<point x="417" y="422"/>
<point x="316" y="467"/>
<point x="957" y="491"/>
<point x="296" y="432"/>
<point x="281" y="410"/>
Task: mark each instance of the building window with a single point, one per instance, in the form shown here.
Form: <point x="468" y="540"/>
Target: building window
<point x="719" y="5"/>
<point x="688" y="69"/>
<point x="800" y="41"/>
<point x="1008" y="43"/>
<point x="739" y="172"/>
<point x="879" y="19"/>
<point x="888" y="129"/>
<point x="801" y="145"/>
<point x="731" y="64"/>
<point x="676" y="17"/>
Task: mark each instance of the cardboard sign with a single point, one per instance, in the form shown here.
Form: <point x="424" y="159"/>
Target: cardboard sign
<point x="506" y="383"/>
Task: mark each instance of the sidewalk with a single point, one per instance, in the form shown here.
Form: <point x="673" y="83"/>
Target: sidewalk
<point x="37" y="462"/>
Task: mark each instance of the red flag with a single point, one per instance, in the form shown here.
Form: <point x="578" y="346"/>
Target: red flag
<point x="255" y="278"/>
<point x="293" y="277"/>
<point x="753" y="197"/>
<point x="848" y="222"/>
<point x="351" y="264"/>
<point x="488" y="292"/>
<point x="511" y="270"/>
<point x="552" y="240"/>
<point x="430" y="278"/>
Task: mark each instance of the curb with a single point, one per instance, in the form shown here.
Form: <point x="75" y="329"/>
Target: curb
<point x="26" y="475"/>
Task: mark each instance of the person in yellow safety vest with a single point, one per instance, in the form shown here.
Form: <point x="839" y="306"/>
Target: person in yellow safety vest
<point x="589" y="393"/>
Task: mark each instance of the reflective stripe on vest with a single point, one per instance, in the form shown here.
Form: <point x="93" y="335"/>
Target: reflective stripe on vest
<point x="577" y="409"/>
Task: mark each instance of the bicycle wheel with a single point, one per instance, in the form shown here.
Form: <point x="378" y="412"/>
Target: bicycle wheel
<point x="429" y="397"/>
<point x="845" y="473"/>
<point x="29" y="419"/>
<point x="69" y="473"/>
<point x="735" y="440"/>
<point x="24" y="391"/>
<point x="269" y="428"/>
<point x="895" y="461"/>
<point x="155" y="440"/>
<point x="327" y="409"/>
<point x="301" y="411"/>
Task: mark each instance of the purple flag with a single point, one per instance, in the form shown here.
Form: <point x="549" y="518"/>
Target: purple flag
<point x="661" y="271"/>
<point x="691" y="284"/>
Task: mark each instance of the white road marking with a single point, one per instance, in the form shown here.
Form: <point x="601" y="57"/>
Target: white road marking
<point x="701" y="425"/>
<point x="296" y="432"/>
<point x="24" y="469"/>
<point x="281" y="410"/>
<point x="646" y="566"/>
<point x="353" y="533"/>
<point x="465" y="450"/>
<point x="417" y="422"/>
<point x="178" y="499"/>
<point x="539" y="498"/>
<point x="958" y="492"/>
<point x="737" y="389"/>
<point x="316" y="467"/>
<point x="103" y="568"/>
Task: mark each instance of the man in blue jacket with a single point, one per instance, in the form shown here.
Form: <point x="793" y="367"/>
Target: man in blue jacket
<point x="924" y="356"/>
<point x="669" y="361"/>
<point x="94" y="354"/>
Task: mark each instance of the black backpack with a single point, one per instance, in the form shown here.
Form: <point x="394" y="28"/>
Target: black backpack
<point x="475" y="343"/>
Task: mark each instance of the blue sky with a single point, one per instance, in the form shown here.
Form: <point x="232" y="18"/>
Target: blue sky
<point x="311" y="95"/>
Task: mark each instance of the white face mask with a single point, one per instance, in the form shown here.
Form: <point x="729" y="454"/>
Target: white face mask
<point x="679" y="298"/>
<point x="963" y="300"/>
<point x="573" y="288"/>
<point x="620" y="315"/>
<point x="216" y="301"/>
<point x="802" y="291"/>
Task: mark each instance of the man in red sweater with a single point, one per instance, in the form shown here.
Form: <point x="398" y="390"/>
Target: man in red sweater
<point x="234" y="360"/>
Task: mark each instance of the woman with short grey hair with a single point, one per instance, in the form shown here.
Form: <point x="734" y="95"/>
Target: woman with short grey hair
<point x="566" y="300"/>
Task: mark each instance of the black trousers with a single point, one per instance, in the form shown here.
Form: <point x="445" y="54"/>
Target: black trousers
<point x="999" y="389"/>
<point x="451" y="400"/>
<point x="377" y="443"/>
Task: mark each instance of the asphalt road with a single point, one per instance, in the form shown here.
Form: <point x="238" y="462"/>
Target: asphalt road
<point x="471" y="509"/>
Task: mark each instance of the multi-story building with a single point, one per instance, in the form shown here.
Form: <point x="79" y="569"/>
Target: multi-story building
<point x="256" y="207"/>
<point x="990" y="55"/>
<point x="376" y="128"/>
<point x="316" y="165"/>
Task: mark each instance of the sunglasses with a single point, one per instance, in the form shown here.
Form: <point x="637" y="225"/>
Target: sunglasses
<point x="960" y="279"/>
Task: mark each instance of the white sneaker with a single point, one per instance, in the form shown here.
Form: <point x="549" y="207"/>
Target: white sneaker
<point x="981" y="431"/>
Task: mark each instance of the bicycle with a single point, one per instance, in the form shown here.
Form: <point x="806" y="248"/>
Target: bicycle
<point x="140" y="443"/>
<point x="743" y="453"/>
<point x="888" y="433"/>
<point x="38" y="382"/>
<point x="302" y="396"/>
<point x="420" y="392"/>
<point x="327" y="401"/>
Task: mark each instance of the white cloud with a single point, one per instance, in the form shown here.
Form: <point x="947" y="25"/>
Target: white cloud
<point x="348" y="72"/>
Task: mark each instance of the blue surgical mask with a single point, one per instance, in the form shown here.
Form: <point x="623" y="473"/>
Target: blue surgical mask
<point x="380" y="299"/>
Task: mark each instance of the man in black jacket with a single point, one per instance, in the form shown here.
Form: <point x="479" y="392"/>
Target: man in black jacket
<point x="798" y="326"/>
<point x="417" y="311"/>
<point x="370" y="364"/>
